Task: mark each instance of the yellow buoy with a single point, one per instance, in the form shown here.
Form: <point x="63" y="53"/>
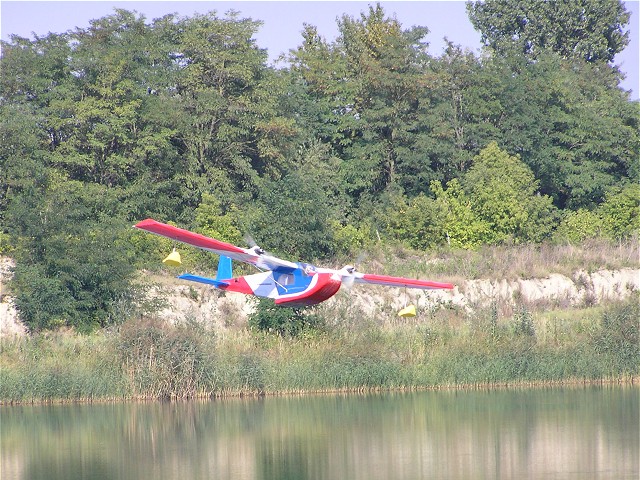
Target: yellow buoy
<point x="173" y="259"/>
<point x="409" y="311"/>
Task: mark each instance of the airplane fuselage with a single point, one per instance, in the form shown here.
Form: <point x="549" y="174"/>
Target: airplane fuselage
<point x="301" y="286"/>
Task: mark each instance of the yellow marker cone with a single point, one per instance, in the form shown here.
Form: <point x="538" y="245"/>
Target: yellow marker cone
<point x="409" y="311"/>
<point x="173" y="259"/>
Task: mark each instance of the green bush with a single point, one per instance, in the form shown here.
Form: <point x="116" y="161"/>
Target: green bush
<point x="578" y="226"/>
<point x="620" y="213"/>
<point x="285" y="321"/>
<point x="504" y="193"/>
<point x="496" y="202"/>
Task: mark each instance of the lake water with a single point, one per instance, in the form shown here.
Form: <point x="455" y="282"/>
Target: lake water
<point x="575" y="433"/>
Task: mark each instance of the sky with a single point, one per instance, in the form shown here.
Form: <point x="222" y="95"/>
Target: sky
<point x="283" y="21"/>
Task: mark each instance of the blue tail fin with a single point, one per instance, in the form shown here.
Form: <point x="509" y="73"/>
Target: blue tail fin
<point x="224" y="268"/>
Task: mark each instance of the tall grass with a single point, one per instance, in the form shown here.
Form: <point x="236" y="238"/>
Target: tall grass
<point x="59" y="367"/>
<point x="151" y="359"/>
<point x="513" y="261"/>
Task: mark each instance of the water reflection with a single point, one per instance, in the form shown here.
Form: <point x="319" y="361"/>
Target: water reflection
<point x="559" y="433"/>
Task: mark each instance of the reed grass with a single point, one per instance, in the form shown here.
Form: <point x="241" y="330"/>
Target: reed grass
<point x="59" y="367"/>
<point x="151" y="359"/>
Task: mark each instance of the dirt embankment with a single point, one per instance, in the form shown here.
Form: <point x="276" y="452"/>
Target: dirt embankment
<point x="183" y="301"/>
<point x="9" y="323"/>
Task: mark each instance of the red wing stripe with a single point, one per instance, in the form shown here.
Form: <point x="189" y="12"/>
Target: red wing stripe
<point x="186" y="236"/>
<point x="404" y="282"/>
<point x="213" y="245"/>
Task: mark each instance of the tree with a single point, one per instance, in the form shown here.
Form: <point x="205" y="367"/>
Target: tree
<point x="449" y="219"/>
<point x="292" y="217"/>
<point x="369" y="82"/>
<point x="181" y="119"/>
<point x="579" y="225"/>
<point x="216" y="222"/>
<point x="459" y="113"/>
<point x="221" y="68"/>
<point x="21" y="156"/>
<point x="72" y="259"/>
<point x="578" y="133"/>
<point x="592" y="30"/>
<point x="462" y="225"/>
<point x="496" y="201"/>
<point x="385" y="66"/>
<point x="504" y="193"/>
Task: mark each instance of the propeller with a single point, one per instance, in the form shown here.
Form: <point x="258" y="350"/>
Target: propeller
<point x="348" y="276"/>
<point x="253" y="246"/>
<point x="348" y="271"/>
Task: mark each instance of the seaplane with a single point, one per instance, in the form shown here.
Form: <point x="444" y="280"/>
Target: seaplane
<point x="287" y="283"/>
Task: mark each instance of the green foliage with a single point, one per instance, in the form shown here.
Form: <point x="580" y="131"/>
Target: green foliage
<point x="496" y="202"/>
<point x="150" y="359"/>
<point x="577" y="226"/>
<point x="59" y="366"/>
<point x="418" y="223"/>
<point x="460" y="111"/>
<point x="295" y="218"/>
<point x="504" y="194"/>
<point x="618" y="336"/>
<point x="620" y="213"/>
<point x="383" y="87"/>
<point x="523" y="322"/>
<point x="349" y="239"/>
<point x="592" y="30"/>
<point x="285" y="321"/>
<point x="165" y="362"/>
<point x="462" y="225"/>
<point x="72" y="257"/>
<point x="549" y="112"/>
<point x="42" y="300"/>
<point x="618" y="217"/>
<point x="213" y="222"/>
<point x="369" y="82"/>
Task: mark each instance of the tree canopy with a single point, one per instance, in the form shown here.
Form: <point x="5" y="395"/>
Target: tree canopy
<point x="366" y="138"/>
<point x="591" y="30"/>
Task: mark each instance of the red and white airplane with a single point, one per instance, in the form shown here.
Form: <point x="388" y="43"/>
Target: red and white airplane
<point x="287" y="283"/>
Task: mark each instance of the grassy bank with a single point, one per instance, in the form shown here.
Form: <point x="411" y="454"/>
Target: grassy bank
<point x="149" y="359"/>
<point x="510" y="262"/>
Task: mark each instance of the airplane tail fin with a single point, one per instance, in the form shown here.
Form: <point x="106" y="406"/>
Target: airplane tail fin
<point x="224" y="273"/>
<point x="224" y="268"/>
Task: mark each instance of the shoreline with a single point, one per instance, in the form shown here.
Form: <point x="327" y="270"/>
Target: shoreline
<point x="150" y="359"/>
<point x="621" y="382"/>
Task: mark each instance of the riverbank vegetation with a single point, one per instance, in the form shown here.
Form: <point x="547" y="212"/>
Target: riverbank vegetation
<point x="147" y="358"/>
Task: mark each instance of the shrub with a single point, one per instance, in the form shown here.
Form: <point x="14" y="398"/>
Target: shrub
<point x="347" y="239"/>
<point x="416" y="222"/>
<point x="286" y="321"/>
<point x="503" y="193"/>
<point x="463" y="227"/>
<point x="621" y="213"/>
<point x="578" y="226"/>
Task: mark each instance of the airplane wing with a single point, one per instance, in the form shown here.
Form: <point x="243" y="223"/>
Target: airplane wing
<point x="252" y="256"/>
<point x="399" y="281"/>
